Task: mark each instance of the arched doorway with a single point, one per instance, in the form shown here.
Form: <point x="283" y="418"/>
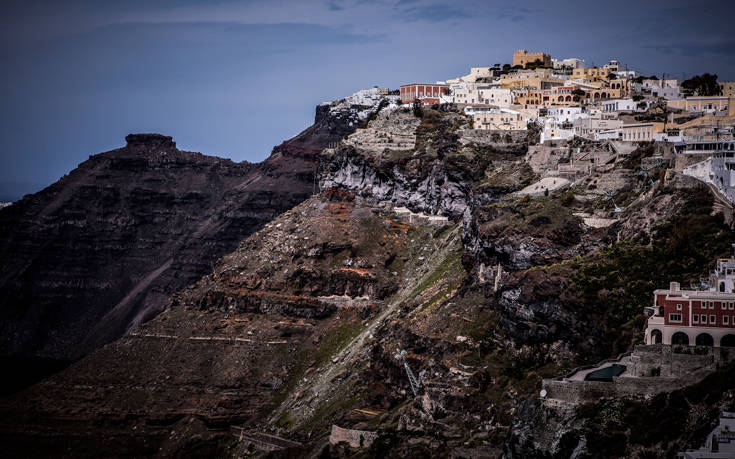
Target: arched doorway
<point x="680" y="338"/>
<point x="704" y="339"/>
<point x="656" y="337"/>
<point x="596" y="95"/>
<point x="727" y="341"/>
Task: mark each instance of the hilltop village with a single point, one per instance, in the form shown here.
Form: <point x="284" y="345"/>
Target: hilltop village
<point x="534" y="260"/>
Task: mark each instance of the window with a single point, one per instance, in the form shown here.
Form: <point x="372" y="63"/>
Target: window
<point x="674" y="317"/>
<point x="725" y="320"/>
<point x="724" y="305"/>
<point x="731" y="305"/>
<point x="678" y="307"/>
<point x="704" y="318"/>
<point x="704" y="305"/>
<point x="695" y="318"/>
<point x="711" y="304"/>
<point x="713" y="320"/>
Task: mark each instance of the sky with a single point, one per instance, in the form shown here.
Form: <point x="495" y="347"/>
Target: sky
<point x="234" y="78"/>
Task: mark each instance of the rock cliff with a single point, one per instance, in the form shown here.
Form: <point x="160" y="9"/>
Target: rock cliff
<point x="99" y="252"/>
<point x="313" y="320"/>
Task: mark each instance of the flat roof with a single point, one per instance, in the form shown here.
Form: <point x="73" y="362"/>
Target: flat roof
<point x="686" y="294"/>
<point x="425" y="84"/>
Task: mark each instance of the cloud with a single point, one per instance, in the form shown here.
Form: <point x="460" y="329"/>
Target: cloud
<point x="724" y="48"/>
<point x="334" y="5"/>
<point x="434" y="13"/>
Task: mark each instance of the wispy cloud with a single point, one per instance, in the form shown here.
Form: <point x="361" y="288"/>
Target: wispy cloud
<point x="434" y="13"/>
<point x="512" y="14"/>
<point x="334" y="5"/>
<point x="724" y="48"/>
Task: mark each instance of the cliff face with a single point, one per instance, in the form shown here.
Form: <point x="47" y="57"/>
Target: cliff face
<point x="100" y="251"/>
<point x="299" y="326"/>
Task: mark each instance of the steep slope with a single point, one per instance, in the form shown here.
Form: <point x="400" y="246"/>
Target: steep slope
<point x="99" y="252"/>
<point x="301" y="327"/>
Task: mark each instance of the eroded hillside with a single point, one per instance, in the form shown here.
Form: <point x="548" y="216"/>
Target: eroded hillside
<point x="418" y="247"/>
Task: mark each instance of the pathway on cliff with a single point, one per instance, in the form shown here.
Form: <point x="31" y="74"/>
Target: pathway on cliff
<point x="310" y="388"/>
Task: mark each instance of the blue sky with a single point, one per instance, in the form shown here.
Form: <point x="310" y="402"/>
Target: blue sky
<point x="235" y="78"/>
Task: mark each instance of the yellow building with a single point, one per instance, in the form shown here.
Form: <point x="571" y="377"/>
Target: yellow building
<point x="590" y="75"/>
<point x="523" y="57"/>
<point x="641" y="132"/>
<point x="622" y="84"/>
<point x="721" y="105"/>
<point x="727" y="88"/>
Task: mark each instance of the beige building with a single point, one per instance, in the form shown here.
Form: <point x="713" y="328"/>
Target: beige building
<point x="589" y="127"/>
<point x="715" y="104"/>
<point x="727" y="88"/>
<point x="501" y="97"/>
<point x="590" y="75"/>
<point x="496" y="119"/>
<point x="534" y="79"/>
<point x="523" y="57"/>
<point x="641" y="132"/>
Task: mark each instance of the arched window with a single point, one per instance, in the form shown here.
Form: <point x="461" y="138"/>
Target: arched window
<point x="656" y="337"/>
<point x="728" y="341"/>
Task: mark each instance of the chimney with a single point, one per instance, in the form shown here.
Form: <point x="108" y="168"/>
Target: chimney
<point x="674" y="286"/>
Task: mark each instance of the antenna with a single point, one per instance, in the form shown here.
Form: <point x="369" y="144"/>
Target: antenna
<point x="415" y="385"/>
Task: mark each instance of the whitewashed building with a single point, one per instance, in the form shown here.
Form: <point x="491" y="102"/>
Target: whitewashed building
<point x="718" y="168"/>
<point x="619" y="105"/>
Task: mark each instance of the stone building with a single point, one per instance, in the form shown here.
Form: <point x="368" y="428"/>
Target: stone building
<point x="523" y="57"/>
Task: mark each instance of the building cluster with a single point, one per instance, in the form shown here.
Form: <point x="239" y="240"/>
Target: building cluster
<point x="566" y="98"/>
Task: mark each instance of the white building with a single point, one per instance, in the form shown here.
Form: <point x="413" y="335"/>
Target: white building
<point x="612" y="134"/>
<point x="569" y="63"/>
<point x="627" y="74"/>
<point x="720" y="443"/>
<point x="719" y="167"/>
<point x="619" y="105"/>
<point x="501" y="97"/>
<point x="614" y="66"/>
<point x="567" y="114"/>
<point x="475" y="74"/>
<point x="667" y="93"/>
<point x="556" y="130"/>
<point x="651" y="84"/>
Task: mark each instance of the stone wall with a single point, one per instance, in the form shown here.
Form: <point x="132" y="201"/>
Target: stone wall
<point x="651" y="369"/>
<point x="355" y="438"/>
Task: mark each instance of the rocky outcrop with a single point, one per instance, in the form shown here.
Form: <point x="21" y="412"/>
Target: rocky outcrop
<point x="435" y="191"/>
<point x="100" y="251"/>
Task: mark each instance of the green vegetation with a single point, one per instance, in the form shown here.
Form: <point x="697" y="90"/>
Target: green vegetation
<point x="621" y="278"/>
<point x="545" y="216"/>
<point x="702" y="85"/>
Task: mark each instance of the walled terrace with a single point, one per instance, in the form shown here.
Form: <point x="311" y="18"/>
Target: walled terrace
<point x="391" y="129"/>
<point x="649" y="370"/>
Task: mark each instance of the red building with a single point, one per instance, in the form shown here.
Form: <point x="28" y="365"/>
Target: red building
<point x="426" y="93"/>
<point x="696" y="317"/>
